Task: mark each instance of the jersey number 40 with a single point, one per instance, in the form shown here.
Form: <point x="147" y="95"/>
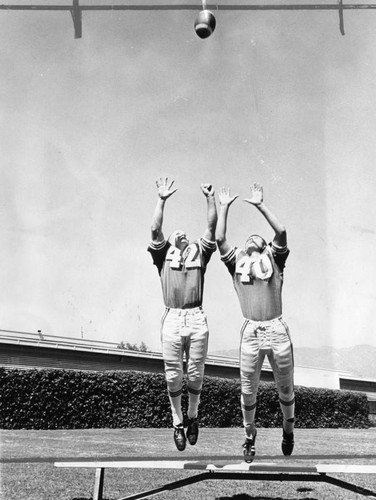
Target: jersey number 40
<point x="250" y="269"/>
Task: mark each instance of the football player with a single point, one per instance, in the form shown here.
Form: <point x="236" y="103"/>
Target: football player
<point x="181" y="266"/>
<point x="257" y="273"/>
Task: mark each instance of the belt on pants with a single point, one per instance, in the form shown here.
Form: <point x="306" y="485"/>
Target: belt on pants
<point x="183" y="312"/>
<point x="265" y="322"/>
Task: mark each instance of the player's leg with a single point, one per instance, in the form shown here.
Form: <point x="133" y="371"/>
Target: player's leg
<point x="282" y="363"/>
<point x="172" y="350"/>
<point x="197" y="348"/>
<point x="251" y="360"/>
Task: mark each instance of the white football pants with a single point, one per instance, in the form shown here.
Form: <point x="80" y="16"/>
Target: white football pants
<point x="184" y="331"/>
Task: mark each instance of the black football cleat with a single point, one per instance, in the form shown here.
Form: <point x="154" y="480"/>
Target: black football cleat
<point x="192" y="431"/>
<point x="249" y="448"/>
<point x="179" y="437"/>
<point x="287" y="443"/>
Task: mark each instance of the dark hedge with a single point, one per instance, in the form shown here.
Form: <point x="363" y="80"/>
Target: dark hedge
<point x="67" y="399"/>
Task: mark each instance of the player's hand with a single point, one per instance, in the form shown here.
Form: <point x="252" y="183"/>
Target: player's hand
<point x="257" y="196"/>
<point x="207" y="189"/>
<point x="225" y="197"/>
<point x="164" y="188"/>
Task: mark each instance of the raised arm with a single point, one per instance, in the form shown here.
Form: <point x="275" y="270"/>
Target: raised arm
<point x="164" y="191"/>
<point x="208" y="191"/>
<point x="257" y="199"/>
<point x="225" y="200"/>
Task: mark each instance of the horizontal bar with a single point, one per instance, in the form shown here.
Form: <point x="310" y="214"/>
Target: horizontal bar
<point x="187" y="465"/>
<point x="211" y="466"/>
<point x="190" y="7"/>
<point x="346" y="469"/>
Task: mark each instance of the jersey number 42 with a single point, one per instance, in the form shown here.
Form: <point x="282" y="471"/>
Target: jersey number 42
<point x="190" y="257"/>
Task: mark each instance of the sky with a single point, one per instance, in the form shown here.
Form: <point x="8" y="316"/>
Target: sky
<point x="88" y="125"/>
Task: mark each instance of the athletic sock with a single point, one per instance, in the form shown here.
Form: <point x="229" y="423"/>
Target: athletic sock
<point x="194" y="400"/>
<point x="250" y="430"/>
<point x="175" y="401"/>
<point x="288" y="410"/>
<point x="248" y="404"/>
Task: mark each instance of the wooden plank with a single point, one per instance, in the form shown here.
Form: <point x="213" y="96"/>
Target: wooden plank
<point x="187" y="465"/>
<point x="145" y="464"/>
<point x="254" y="467"/>
<point x="240" y="466"/>
<point x="346" y="469"/>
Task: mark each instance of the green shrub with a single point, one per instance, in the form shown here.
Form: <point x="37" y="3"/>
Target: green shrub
<point x="66" y="399"/>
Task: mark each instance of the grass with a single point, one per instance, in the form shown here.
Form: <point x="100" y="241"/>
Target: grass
<point x="27" y="457"/>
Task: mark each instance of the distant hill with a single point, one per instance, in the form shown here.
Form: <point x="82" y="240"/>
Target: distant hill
<point x="359" y="360"/>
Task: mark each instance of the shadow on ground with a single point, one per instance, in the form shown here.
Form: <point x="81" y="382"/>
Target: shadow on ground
<point x="244" y="496"/>
<point x="240" y="496"/>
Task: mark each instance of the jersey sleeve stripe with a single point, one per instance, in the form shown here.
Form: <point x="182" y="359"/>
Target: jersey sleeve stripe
<point x="278" y="249"/>
<point x="209" y="245"/>
<point x="229" y="256"/>
<point x="157" y="245"/>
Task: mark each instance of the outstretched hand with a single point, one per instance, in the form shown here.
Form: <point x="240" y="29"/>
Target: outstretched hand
<point x="225" y="197"/>
<point x="257" y="195"/>
<point x="164" y="188"/>
<point x="207" y="189"/>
